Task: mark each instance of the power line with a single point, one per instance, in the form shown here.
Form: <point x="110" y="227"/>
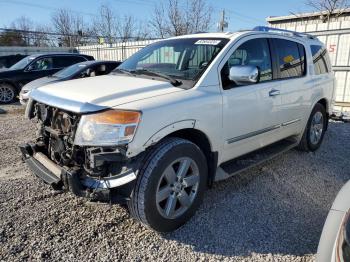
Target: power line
<point x="21" y="3"/>
<point x="240" y="15"/>
<point x="137" y="2"/>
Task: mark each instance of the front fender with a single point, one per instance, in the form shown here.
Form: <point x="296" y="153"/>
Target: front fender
<point x="10" y="82"/>
<point x="163" y="132"/>
<point x="160" y="134"/>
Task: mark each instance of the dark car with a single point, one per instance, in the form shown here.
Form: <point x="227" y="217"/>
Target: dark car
<point x="80" y="70"/>
<point x="7" y="61"/>
<point x="31" y="68"/>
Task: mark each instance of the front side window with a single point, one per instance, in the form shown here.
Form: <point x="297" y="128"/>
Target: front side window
<point x="291" y="58"/>
<point x="42" y="64"/>
<point x="183" y="59"/>
<point x="320" y="59"/>
<point x="254" y="52"/>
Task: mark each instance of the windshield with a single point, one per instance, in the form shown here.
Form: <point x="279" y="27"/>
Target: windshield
<point x="21" y="64"/>
<point x="185" y="58"/>
<point x="69" y="71"/>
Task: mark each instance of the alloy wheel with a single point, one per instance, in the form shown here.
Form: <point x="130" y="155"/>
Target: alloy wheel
<point x="316" y="128"/>
<point x="6" y="94"/>
<point x="177" y="188"/>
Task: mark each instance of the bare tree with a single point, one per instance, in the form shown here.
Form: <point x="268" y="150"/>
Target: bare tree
<point x="179" y="17"/>
<point x="25" y="25"/>
<point x="71" y="26"/>
<point x="106" y="24"/>
<point x="329" y="7"/>
<point x="126" y="28"/>
<point x="142" y="31"/>
<point x="41" y="37"/>
<point x="158" y="21"/>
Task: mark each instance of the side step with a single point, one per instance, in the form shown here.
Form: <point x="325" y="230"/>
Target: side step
<point x="240" y="164"/>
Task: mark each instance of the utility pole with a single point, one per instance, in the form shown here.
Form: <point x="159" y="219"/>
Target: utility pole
<point x="222" y="24"/>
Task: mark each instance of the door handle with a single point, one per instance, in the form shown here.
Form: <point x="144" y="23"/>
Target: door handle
<point x="274" y="92"/>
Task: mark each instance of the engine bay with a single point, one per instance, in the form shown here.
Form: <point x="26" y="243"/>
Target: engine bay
<point x="55" y="137"/>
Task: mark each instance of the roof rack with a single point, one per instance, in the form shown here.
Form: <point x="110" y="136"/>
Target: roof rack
<point x="283" y="32"/>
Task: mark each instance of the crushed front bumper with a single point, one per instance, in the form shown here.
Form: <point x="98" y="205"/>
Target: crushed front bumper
<point x="72" y="179"/>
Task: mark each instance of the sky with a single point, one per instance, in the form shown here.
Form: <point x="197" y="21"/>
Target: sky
<point x="241" y="14"/>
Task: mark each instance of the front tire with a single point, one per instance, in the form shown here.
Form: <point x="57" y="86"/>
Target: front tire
<point x="315" y="129"/>
<point x="170" y="185"/>
<point x="7" y="93"/>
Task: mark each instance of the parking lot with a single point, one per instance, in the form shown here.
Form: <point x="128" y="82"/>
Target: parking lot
<point x="274" y="212"/>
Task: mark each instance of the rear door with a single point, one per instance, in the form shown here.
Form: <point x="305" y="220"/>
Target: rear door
<point x="294" y="84"/>
<point x="64" y="61"/>
<point x="249" y="112"/>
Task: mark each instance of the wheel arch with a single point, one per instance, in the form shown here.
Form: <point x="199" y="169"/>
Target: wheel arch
<point x="201" y="140"/>
<point x="9" y="82"/>
<point x="324" y="102"/>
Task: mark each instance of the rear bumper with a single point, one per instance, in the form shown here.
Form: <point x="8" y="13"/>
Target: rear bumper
<point x="72" y="179"/>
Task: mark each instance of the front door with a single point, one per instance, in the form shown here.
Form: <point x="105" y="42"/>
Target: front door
<point x="37" y="69"/>
<point x="253" y="110"/>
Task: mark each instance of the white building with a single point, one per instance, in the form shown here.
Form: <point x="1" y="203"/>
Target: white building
<point x="335" y="33"/>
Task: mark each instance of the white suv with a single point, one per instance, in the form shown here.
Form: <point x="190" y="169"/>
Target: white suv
<point x="179" y="115"/>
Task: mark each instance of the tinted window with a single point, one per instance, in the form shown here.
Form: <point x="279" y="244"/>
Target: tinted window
<point x="291" y="58"/>
<point x="64" y="61"/>
<point x="321" y="59"/>
<point x="111" y="66"/>
<point x="69" y="71"/>
<point x="3" y="63"/>
<point x="42" y="64"/>
<point x="254" y="52"/>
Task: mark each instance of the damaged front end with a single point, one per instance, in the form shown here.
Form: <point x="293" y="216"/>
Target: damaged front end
<point x="100" y="173"/>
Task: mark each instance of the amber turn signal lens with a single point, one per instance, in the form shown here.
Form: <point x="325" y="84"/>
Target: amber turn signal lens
<point x="116" y="117"/>
<point x="129" y="130"/>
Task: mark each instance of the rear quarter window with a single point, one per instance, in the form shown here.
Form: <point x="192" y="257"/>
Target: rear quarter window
<point x="320" y="59"/>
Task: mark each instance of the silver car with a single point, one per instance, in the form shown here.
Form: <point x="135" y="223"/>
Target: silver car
<point x="334" y="245"/>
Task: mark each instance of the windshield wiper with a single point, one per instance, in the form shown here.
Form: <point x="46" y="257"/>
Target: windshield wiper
<point x="172" y="80"/>
<point x="124" y="71"/>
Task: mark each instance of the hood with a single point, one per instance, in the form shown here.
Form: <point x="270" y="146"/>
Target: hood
<point x="97" y="93"/>
<point x="40" y="82"/>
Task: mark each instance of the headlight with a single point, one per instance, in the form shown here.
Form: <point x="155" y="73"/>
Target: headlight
<point x="108" y="128"/>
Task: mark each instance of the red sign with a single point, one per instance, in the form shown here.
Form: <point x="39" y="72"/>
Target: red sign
<point x="332" y="48"/>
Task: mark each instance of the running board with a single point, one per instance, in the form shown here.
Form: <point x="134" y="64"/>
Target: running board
<point x="240" y="164"/>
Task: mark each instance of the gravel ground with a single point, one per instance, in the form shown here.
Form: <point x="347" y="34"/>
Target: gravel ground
<point x="274" y="212"/>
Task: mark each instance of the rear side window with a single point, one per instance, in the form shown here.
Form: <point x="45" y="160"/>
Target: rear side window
<point x="291" y="59"/>
<point x="64" y="61"/>
<point x="321" y="59"/>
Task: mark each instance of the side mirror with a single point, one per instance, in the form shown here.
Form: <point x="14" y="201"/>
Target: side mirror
<point x="30" y="68"/>
<point x="243" y="75"/>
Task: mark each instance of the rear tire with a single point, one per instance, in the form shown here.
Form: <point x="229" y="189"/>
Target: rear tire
<point x="315" y="129"/>
<point x="170" y="185"/>
<point x="7" y="93"/>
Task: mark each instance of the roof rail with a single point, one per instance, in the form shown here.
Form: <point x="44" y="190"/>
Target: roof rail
<point x="282" y="31"/>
